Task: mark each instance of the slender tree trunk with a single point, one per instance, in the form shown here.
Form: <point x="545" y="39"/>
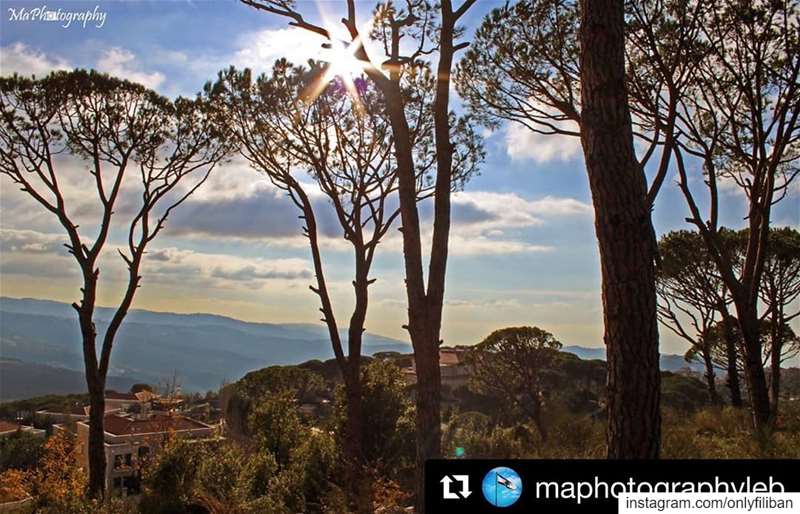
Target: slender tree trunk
<point x="710" y="378"/>
<point x="775" y="367"/>
<point x="96" y="450"/>
<point x="359" y="490"/>
<point x="733" y="359"/>
<point x="424" y="339"/>
<point x="426" y="346"/>
<point x="754" y="369"/>
<point x="538" y="420"/>
<point x="624" y="233"/>
<point x="775" y="382"/>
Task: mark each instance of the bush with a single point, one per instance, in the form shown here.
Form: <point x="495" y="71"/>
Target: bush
<point x="20" y="451"/>
<point x="726" y="433"/>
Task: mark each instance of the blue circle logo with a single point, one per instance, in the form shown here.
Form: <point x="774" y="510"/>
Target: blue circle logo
<point x="502" y="487"/>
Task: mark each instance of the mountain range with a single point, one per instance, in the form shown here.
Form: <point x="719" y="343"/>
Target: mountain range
<point x="203" y="350"/>
<point x="40" y="351"/>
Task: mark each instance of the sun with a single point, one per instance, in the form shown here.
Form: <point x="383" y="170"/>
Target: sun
<point x="342" y="62"/>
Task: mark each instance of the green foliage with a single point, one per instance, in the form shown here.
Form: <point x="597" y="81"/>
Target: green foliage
<point x="220" y="478"/>
<point x="569" y="436"/>
<point x="516" y="366"/>
<point x="388" y="440"/>
<point x="303" y="383"/>
<point x="170" y="478"/>
<point x="686" y="394"/>
<point x="51" y="402"/>
<point x="300" y="383"/>
<point x="314" y="474"/>
<point x="523" y="66"/>
<point x="21" y="450"/>
<point x="275" y="426"/>
<point x="726" y="433"/>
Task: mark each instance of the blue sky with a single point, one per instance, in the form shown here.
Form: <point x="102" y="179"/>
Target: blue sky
<point x="529" y="256"/>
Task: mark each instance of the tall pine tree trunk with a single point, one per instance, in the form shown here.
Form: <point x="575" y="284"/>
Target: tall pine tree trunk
<point x="360" y="481"/>
<point x="95" y="383"/>
<point x="776" y="342"/>
<point x="732" y="356"/>
<point x="624" y="233"/>
<point x="96" y="449"/>
<point x="710" y="377"/>
<point x="775" y="381"/>
<point x="754" y="368"/>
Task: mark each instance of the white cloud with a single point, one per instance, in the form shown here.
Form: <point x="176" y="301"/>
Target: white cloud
<point x="509" y="210"/>
<point x="177" y="265"/>
<point x="121" y="62"/>
<point x="465" y="245"/>
<point x="32" y="253"/>
<point x="259" y="50"/>
<point x="30" y="241"/>
<point x="22" y="59"/>
<point x="524" y="144"/>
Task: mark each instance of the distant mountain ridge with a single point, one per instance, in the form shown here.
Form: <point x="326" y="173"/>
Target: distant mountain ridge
<point x="203" y="349"/>
<point x="669" y="362"/>
<point x="20" y="380"/>
<point x="42" y="338"/>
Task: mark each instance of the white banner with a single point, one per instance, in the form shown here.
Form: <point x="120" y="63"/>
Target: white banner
<point x="709" y="503"/>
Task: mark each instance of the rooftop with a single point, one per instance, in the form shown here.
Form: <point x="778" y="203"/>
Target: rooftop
<point x="114" y="395"/>
<point x="129" y="425"/>
<point x="141" y="396"/>
<point x="75" y="410"/>
<point x="8" y="426"/>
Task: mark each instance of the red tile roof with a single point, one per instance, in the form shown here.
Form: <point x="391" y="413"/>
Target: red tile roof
<point x="121" y="425"/>
<point x="113" y="395"/>
<point x="8" y="426"/>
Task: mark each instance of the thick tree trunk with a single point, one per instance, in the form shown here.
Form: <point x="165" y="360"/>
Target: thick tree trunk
<point x="429" y="418"/>
<point x="754" y="369"/>
<point x="733" y="359"/>
<point x="359" y="478"/>
<point x="624" y="233"/>
<point x="95" y="383"/>
<point x="96" y="449"/>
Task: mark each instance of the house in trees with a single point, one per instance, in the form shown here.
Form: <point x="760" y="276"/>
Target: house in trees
<point x="141" y="401"/>
<point x="65" y="414"/>
<point x="451" y="363"/>
<point x="129" y="401"/>
<point x="131" y="439"/>
<point x="8" y="428"/>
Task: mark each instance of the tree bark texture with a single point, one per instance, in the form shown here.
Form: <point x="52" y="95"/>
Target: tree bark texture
<point x="624" y="232"/>
<point x="733" y="359"/>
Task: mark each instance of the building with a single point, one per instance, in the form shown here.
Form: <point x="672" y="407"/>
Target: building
<point x="131" y="439"/>
<point x="128" y="401"/>
<point x="9" y="428"/>
<point x="66" y="414"/>
<point x="452" y="366"/>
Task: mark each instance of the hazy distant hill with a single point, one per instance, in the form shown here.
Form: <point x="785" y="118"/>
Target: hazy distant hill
<point x="20" y="380"/>
<point x="669" y="362"/>
<point x="202" y="349"/>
